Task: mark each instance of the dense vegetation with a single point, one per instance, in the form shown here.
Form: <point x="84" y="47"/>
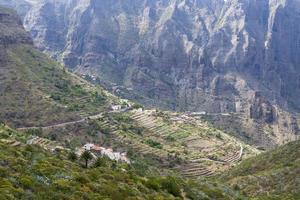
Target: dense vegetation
<point x="29" y="172"/>
<point x="272" y="175"/>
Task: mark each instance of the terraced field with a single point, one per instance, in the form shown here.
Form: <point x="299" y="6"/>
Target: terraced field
<point x="44" y="143"/>
<point x="12" y="143"/>
<point x="189" y="146"/>
<point x="193" y="149"/>
<point x="134" y="142"/>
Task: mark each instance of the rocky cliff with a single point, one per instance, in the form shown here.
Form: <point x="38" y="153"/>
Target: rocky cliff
<point x="198" y="55"/>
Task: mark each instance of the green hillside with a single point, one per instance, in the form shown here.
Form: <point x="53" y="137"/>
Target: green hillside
<point x="37" y="91"/>
<point x="29" y="172"/>
<point x="34" y="90"/>
<point x="271" y="175"/>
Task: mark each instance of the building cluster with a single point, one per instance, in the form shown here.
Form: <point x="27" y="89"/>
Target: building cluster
<point x="101" y="151"/>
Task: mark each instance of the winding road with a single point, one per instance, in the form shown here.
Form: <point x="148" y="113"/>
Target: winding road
<point x="97" y="116"/>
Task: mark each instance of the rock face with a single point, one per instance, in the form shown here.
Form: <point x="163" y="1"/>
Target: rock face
<point x="199" y="55"/>
<point x="262" y="110"/>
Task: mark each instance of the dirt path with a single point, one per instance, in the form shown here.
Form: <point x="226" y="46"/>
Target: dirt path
<point x="54" y="126"/>
<point x="97" y="116"/>
<point x="241" y="152"/>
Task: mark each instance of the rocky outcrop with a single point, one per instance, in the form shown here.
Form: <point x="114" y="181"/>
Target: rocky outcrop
<point x="262" y="109"/>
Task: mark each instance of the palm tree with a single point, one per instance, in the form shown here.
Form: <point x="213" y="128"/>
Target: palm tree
<point x="86" y="155"/>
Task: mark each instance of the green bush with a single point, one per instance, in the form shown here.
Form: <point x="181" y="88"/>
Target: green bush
<point x="100" y="162"/>
<point x="154" y="144"/>
<point x="26" y="182"/>
<point x="153" y="183"/>
<point x="72" y="156"/>
<point x="170" y="184"/>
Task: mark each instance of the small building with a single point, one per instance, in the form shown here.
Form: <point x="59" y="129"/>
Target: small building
<point x="101" y="151"/>
<point x="116" y="107"/>
<point x="88" y="147"/>
<point x="198" y="113"/>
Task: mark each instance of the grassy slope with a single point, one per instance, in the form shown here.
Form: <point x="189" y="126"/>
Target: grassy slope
<point x="34" y="90"/>
<point x="29" y="172"/>
<point x="271" y="175"/>
<point x="37" y="91"/>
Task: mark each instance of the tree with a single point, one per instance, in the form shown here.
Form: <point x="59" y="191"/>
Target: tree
<point x="100" y="162"/>
<point x="72" y="156"/>
<point x="137" y="106"/>
<point x="86" y="156"/>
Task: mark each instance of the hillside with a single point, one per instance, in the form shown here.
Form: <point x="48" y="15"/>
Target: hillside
<point x="30" y="172"/>
<point x="271" y="175"/>
<point x="34" y="90"/>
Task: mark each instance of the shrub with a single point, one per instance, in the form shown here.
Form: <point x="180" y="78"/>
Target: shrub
<point x="170" y="185"/>
<point x="26" y="182"/>
<point x="56" y="97"/>
<point x="72" y="156"/>
<point x="100" y="162"/>
<point x="153" y="183"/>
<point x="219" y="136"/>
<point x="137" y="106"/>
<point x="153" y="144"/>
<point x="82" y="179"/>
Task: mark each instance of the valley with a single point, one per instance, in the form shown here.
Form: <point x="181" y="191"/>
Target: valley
<point x="186" y="55"/>
<point x="51" y="115"/>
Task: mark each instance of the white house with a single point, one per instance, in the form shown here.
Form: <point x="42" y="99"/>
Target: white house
<point x="88" y="147"/>
<point x="116" y="107"/>
<point x="107" y="152"/>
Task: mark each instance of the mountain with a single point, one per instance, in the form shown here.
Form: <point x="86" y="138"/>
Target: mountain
<point x="34" y="90"/>
<point x="221" y="57"/>
<point x="170" y="152"/>
<point x="272" y="175"/>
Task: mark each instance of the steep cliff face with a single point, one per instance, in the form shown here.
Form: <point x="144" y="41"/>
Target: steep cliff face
<point x="199" y="55"/>
<point x="177" y="50"/>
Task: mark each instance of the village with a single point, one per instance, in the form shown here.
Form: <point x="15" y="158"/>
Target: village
<point x="98" y="151"/>
<point x="95" y="150"/>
